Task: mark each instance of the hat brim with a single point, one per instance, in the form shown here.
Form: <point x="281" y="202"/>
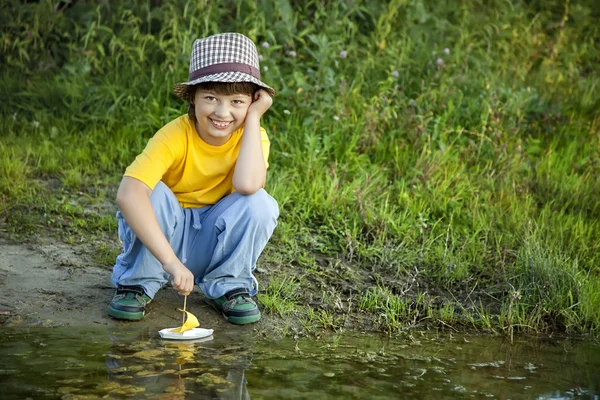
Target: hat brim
<point x="183" y="89"/>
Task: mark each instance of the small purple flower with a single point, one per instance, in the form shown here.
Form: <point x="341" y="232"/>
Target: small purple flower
<point x="412" y="102"/>
<point x="265" y="45"/>
<point x="343" y="54"/>
<point x="292" y="53"/>
<point x="439" y="62"/>
<point x="446" y="51"/>
<point x="260" y="57"/>
<point x="395" y="73"/>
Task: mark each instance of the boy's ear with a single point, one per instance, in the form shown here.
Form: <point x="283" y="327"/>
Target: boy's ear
<point x="256" y="90"/>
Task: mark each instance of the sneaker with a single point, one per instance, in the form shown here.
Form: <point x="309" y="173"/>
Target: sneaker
<point x="237" y="307"/>
<point x="129" y="302"/>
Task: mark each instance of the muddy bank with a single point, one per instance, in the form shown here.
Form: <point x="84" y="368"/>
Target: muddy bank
<point x="48" y="283"/>
<point x="45" y="281"/>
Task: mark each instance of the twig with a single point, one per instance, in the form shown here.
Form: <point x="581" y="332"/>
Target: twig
<point x="184" y="304"/>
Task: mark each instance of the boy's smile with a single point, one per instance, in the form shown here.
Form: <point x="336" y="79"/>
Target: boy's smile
<point x="219" y="115"/>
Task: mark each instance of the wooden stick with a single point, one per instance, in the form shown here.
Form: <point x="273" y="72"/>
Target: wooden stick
<point x="184" y="304"/>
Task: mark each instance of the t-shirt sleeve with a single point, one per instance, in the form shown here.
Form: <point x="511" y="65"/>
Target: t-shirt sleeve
<point x="160" y="154"/>
<point x="266" y="145"/>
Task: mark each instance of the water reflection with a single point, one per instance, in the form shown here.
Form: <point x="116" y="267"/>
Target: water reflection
<point x="80" y="364"/>
<point x="178" y="369"/>
<point x="428" y="366"/>
<point x="89" y="364"/>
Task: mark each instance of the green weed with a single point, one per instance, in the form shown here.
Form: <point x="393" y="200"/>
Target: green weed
<point x="394" y="311"/>
<point x="321" y="318"/>
<point x="280" y="296"/>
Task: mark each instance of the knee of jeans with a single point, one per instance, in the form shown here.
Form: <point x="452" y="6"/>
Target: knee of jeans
<point x="166" y="207"/>
<point x="162" y="196"/>
<point x="160" y="191"/>
<point x="262" y="207"/>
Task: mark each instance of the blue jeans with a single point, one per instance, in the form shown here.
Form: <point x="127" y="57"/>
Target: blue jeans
<point x="219" y="244"/>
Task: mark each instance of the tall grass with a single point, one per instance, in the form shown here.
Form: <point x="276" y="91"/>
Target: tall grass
<point x="457" y="140"/>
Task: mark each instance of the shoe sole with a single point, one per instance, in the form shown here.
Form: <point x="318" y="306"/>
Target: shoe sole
<point x="124" y="315"/>
<point x="250" y="319"/>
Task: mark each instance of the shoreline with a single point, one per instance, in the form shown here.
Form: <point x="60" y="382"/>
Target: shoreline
<point x="48" y="283"/>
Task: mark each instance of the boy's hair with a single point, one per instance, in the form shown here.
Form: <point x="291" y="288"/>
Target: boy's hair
<point x="224" y="88"/>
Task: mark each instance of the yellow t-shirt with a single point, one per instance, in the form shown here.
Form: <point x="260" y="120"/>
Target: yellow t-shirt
<point x="198" y="173"/>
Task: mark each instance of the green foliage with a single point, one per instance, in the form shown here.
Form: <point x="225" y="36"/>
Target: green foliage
<point x="396" y="312"/>
<point x="550" y="290"/>
<point x="459" y="141"/>
<point x="280" y="295"/>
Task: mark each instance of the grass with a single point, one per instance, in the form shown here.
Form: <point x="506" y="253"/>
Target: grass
<point x="445" y="146"/>
<point x="396" y="312"/>
<point x="280" y="296"/>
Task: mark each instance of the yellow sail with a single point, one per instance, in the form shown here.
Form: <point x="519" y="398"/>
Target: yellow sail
<point x="191" y="322"/>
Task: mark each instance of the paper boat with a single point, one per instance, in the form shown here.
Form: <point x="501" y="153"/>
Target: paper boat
<point x="191" y="334"/>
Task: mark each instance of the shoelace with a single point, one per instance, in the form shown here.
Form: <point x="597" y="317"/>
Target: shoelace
<point x="239" y="299"/>
<point x="131" y="295"/>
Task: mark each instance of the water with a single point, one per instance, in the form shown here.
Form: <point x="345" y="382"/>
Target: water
<point x="49" y="363"/>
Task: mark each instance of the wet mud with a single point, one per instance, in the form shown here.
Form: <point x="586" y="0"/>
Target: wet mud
<point x="52" y="284"/>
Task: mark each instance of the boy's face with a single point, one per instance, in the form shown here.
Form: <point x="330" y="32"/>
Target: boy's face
<point x="218" y="115"/>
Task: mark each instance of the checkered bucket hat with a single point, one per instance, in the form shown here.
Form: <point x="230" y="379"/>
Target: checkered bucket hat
<point x="226" y="57"/>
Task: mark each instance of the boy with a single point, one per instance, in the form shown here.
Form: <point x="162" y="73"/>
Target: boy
<point x="191" y="205"/>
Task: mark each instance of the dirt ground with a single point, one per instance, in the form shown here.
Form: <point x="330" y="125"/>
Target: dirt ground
<point x="49" y="283"/>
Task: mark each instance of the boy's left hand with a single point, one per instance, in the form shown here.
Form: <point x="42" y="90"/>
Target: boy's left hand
<point x="261" y="103"/>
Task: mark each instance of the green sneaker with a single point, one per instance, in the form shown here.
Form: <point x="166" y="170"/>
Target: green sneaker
<point x="237" y="307"/>
<point x="129" y="302"/>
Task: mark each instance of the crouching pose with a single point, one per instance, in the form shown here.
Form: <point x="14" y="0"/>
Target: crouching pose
<point x="192" y="207"/>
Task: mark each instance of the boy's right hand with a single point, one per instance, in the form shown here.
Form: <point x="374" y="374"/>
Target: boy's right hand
<point x="261" y="102"/>
<point x="182" y="278"/>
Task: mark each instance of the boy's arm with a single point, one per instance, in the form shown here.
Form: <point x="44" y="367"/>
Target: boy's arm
<point x="133" y="199"/>
<point x="250" y="170"/>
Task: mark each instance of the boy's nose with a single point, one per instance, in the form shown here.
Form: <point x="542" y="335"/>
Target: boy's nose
<point x="222" y="111"/>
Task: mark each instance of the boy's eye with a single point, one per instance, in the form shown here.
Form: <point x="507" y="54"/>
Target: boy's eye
<point x="238" y="102"/>
<point x="210" y="98"/>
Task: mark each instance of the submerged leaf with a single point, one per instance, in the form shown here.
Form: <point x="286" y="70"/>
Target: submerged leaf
<point x="146" y="355"/>
<point x="191" y="322"/>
